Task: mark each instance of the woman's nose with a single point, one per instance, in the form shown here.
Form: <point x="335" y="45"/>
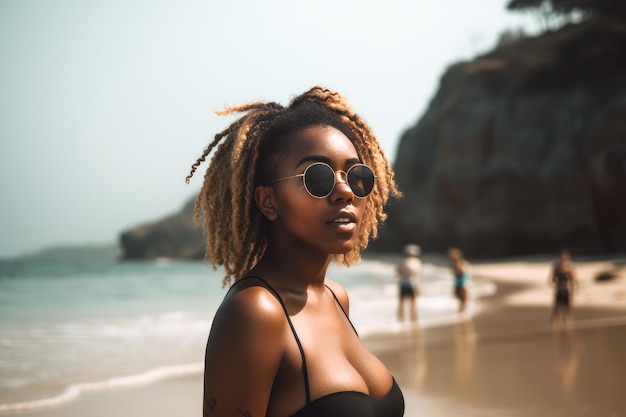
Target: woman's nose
<point x="342" y="188"/>
<point x="343" y="176"/>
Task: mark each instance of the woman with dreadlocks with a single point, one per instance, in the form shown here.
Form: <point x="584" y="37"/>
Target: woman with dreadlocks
<point x="288" y="190"/>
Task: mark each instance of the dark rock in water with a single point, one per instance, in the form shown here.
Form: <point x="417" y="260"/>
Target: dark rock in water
<point x="175" y="237"/>
<point x="605" y="276"/>
<point x="522" y="151"/>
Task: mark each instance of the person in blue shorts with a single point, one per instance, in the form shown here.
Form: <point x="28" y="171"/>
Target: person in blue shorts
<point x="461" y="277"/>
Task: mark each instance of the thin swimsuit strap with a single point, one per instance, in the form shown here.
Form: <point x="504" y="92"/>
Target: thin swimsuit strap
<point x="305" y="373"/>
<point x="341" y="307"/>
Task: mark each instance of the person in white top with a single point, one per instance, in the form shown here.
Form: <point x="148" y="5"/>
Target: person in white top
<point x="408" y="272"/>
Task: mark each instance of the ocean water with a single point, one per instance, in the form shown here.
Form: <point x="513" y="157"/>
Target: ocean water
<point x="71" y="327"/>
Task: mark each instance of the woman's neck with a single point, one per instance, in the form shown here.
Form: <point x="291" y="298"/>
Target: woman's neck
<point x="294" y="271"/>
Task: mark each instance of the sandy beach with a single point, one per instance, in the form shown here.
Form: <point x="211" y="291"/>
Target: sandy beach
<point x="506" y="360"/>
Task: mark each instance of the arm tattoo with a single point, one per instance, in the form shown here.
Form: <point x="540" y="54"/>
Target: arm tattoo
<point x="209" y="406"/>
<point x="244" y="413"/>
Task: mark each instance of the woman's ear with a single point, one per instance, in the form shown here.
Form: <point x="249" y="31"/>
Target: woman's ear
<point x="266" y="201"/>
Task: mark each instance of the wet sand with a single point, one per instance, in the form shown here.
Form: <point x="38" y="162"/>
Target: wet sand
<point x="508" y="360"/>
<point x="493" y="368"/>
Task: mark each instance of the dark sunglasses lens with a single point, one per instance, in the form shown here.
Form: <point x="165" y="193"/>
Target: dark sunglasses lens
<point x="319" y="179"/>
<point x="361" y="180"/>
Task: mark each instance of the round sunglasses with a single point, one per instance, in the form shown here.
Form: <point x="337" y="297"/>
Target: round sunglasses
<point x="319" y="179"/>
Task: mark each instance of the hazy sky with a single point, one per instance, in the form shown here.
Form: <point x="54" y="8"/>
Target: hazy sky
<point x="105" y="104"/>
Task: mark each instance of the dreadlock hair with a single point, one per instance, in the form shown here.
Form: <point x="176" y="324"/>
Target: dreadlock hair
<point x="250" y="149"/>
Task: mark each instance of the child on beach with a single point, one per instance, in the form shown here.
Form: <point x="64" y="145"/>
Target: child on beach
<point x="563" y="278"/>
<point x="408" y="271"/>
<point x="461" y="276"/>
<point x="288" y="190"/>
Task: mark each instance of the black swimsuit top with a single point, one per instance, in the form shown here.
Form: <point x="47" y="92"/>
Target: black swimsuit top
<point x="562" y="278"/>
<point x="343" y="403"/>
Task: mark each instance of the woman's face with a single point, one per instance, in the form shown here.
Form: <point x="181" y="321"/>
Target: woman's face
<point x="329" y="225"/>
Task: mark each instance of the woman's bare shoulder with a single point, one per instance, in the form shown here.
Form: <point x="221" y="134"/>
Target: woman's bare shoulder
<point x="251" y="305"/>
<point x="244" y="351"/>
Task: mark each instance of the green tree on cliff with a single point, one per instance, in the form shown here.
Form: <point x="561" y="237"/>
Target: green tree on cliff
<point x="557" y="12"/>
<point x="587" y="8"/>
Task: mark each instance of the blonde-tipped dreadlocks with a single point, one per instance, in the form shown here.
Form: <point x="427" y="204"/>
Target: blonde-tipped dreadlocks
<point x="250" y="148"/>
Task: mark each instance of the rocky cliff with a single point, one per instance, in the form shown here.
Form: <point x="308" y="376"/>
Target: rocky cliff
<point x="173" y="237"/>
<point x="522" y="150"/>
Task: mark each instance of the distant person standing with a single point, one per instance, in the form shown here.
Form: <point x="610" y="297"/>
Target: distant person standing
<point x="563" y="278"/>
<point x="408" y="271"/>
<point x="461" y="276"/>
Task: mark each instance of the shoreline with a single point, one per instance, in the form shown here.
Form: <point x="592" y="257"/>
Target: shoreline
<point x="510" y="360"/>
<point x="446" y="370"/>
